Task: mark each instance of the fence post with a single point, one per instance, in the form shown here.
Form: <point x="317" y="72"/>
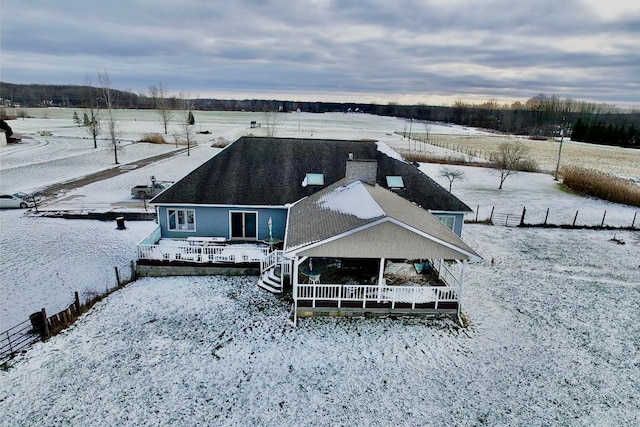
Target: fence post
<point x="546" y="217"/>
<point x="478" y="210"/>
<point x="634" y="219"/>
<point x="9" y="341"/>
<point x="77" y="302"/>
<point x="491" y="216"/>
<point x="603" y="217"/>
<point x="45" y="323"/>
<point x="133" y="270"/>
<point x="574" y="219"/>
<point x="117" y="276"/>
<point x="524" y="211"/>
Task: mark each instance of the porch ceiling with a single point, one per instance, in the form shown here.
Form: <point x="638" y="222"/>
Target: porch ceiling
<point x="385" y="240"/>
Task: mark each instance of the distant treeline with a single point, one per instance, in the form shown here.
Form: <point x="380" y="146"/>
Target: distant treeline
<point x="541" y="116"/>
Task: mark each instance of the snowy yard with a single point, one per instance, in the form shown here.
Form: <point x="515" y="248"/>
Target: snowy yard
<point x="554" y="334"/>
<point x="553" y="340"/>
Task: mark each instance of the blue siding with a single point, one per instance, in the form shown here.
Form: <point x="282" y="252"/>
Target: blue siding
<point x="214" y="222"/>
<point x="458" y="220"/>
<point x="457" y="228"/>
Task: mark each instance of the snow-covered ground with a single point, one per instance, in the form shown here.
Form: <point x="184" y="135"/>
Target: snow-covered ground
<point x="553" y="340"/>
<point x="536" y="192"/>
<point x="553" y="336"/>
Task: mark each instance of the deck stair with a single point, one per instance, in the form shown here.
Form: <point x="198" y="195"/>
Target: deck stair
<point x="271" y="280"/>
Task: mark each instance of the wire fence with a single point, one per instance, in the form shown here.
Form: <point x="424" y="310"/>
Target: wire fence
<point x="592" y="219"/>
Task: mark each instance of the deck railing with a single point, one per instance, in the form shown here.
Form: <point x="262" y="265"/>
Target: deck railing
<point x="152" y="238"/>
<point x="203" y="254"/>
<point x="445" y="274"/>
<point x="380" y="294"/>
<point x="273" y="258"/>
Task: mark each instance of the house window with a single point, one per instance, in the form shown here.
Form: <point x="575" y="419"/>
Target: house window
<point x="447" y="220"/>
<point x="181" y="219"/>
<point x="313" y="179"/>
<point x="395" y="182"/>
<point x="244" y="225"/>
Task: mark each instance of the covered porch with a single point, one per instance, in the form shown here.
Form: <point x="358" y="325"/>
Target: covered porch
<point x="342" y="264"/>
<point x="348" y="286"/>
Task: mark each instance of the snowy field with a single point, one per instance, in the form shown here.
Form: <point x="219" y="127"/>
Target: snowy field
<point x="554" y="335"/>
<point x="553" y="340"/>
<point x="536" y="192"/>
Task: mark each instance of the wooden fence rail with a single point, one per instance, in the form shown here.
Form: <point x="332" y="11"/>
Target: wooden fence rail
<point x="19" y="338"/>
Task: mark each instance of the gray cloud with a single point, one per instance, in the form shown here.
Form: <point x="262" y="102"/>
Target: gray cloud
<point x="409" y="49"/>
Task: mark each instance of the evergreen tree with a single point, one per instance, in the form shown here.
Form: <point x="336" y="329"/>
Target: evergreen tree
<point x="76" y="119"/>
<point x="85" y="120"/>
<point x="191" y="119"/>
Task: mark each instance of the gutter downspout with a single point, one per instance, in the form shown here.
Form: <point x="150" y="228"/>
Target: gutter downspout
<point x="461" y="280"/>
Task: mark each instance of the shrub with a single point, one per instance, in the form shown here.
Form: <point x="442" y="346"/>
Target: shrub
<point x="422" y="157"/>
<point x="153" y="138"/>
<point x="528" y="165"/>
<point x="593" y="183"/>
<point x="220" y="142"/>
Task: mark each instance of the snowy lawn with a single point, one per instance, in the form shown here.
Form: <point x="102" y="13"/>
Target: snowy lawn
<point x="553" y="340"/>
<point x="536" y="192"/>
<point x="46" y="260"/>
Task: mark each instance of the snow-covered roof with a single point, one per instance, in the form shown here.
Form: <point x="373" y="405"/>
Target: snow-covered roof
<point x="358" y="220"/>
<point x="352" y="199"/>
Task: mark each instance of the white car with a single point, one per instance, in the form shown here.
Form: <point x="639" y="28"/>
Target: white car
<point x="17" y="200"/>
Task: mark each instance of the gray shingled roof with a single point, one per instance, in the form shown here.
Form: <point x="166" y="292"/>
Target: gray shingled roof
<point x="270" y="171"/>
<point x="312" y="221"/>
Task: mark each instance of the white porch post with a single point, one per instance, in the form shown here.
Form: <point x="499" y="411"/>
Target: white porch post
<point x="380" y="278"/>
<point x="461" y="281"/>
<point x="294" y="281"/>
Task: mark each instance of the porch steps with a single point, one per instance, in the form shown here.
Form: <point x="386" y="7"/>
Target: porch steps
<point x="271" y="280"/>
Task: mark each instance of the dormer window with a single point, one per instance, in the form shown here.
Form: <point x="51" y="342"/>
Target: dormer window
<point x="394" y="182"/>
<point x="313" y="179"/>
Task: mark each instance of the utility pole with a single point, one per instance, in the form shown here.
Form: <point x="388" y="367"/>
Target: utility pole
<point x="559" y="151"/>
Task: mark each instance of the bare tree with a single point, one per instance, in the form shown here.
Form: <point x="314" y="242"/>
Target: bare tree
<point x="452" y="175"/>
<point x="187" y="121"/>
<point x="108" y="97"/>
<point x="91" y="117"/>
<point x="270" y="118"/>
<point x="510" y="158"/>
<point x="161" y="103"/>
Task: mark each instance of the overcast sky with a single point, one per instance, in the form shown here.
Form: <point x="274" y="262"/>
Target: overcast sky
<point x="404" y="51"/>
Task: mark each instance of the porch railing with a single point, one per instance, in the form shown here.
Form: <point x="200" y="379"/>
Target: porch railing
<point x="203" y="254"/>
<point x="152" y="238"/>
<point x="273" y="258"/>
<point x="445" y="274"/>
<point x="380" y="294"/>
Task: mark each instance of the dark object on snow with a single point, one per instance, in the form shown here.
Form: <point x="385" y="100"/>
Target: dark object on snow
<point x="6" y="128"/>
<point x="120" y="223"/>
<point x="37" y="322"/>
<point x="618" y="241"/>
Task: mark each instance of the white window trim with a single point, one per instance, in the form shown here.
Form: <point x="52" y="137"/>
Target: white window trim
<point x="244" y="237"/>
<point x="185" y="230"/>
<point x="444" y="219"/>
